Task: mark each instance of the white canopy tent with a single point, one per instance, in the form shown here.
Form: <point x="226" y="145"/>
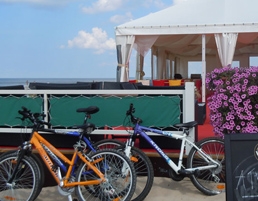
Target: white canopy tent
<point x="191" y="30"/>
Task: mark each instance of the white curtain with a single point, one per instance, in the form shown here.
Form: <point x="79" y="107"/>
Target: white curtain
<point x="226" y="44"/>
<point x="139" y="67"/>
<point x="142" y="45"/>
<point x="161" y="64"/>
<point x="124" y="46"/>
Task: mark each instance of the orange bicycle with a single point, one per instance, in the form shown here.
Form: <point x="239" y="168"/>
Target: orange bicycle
<point x="105" y="175"/>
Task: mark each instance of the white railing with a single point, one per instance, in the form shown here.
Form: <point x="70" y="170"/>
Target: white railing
<point x="188" y="110"/>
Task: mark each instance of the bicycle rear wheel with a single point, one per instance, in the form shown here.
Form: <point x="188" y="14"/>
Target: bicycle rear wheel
<point x="209" y="181"/>
<point x="142" y="164"/>
<point x="119" y="184"/>
<point x="26" y="181"/>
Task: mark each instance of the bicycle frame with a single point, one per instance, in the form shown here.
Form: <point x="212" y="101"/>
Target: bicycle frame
<point x="76" y="134"/>
<point x="141" y="130"/>
<point x="37" y="140"/>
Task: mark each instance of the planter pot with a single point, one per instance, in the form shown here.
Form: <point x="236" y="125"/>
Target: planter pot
<point x="200" y="113"/>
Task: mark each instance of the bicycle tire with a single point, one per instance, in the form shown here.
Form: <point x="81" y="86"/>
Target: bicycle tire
<point x="26" y="182"/>
<point x="211" y="181"/>
<point x="107" y="144"/>
<point x="41" y="170"/>
<point x="143" y="167"/>
<point x="117" y="185"/>
<point x="40" y="167"/>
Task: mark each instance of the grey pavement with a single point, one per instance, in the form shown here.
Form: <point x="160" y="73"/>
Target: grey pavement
<point x="163" y="189"/>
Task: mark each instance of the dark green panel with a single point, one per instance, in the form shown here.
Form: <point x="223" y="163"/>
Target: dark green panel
<point x="158" y="111"/>
<point x="10" y="105"/>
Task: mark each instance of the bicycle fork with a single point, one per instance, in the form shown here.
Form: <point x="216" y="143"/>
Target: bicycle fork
<point x="128" y="153"/>
<point x="25" y="147"/>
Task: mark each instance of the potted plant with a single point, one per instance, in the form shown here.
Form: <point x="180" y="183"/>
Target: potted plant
<point x="234" y="102"/>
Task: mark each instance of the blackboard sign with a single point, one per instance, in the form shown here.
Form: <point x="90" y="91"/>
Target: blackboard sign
<point x="241" y="167"/>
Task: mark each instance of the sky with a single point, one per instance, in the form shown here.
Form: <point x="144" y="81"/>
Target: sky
<point x="65" y="38"/>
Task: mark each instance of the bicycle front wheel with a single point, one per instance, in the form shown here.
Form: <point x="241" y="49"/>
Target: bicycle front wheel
<point x="39" y="166"/>
<point x="119" y="173"/>
<point x="25" y="184"/>
<point x="208" y="181"/>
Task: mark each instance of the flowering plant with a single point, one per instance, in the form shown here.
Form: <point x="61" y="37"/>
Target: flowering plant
<point x="234" y="103"/>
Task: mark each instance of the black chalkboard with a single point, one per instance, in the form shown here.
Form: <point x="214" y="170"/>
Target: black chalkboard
<point x="241" y="167"/>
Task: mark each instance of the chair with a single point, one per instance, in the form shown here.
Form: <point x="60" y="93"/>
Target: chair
<point x="128" y="85"/>
<point x="112" y="85"/>
<point x="158" y="82"/>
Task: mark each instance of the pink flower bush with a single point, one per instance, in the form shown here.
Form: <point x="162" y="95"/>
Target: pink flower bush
<point x="234" y="103"/>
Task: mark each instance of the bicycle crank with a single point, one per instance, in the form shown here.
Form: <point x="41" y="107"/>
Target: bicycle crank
<point x="176" y="177"/>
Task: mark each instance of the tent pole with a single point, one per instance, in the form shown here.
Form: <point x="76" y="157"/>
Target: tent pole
<point x="203" y="67"/>
<point x="137" y="70"/>
<point x="151" y="65"/>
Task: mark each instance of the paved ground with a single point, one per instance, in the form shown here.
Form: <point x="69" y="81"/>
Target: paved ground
<point x="164" y="189"/>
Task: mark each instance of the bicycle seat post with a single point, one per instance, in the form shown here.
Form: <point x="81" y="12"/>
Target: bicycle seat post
<point x="87" y="116"/>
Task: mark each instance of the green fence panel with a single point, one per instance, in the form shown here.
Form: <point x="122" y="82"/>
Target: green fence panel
<point x="10" y="105"/>
<point x="157" y="111"/>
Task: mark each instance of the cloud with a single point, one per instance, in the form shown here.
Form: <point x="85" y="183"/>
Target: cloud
<point x="118" y="19"/>
<point x="103" y="6"/>
<point x="178" y="1"/>
<point x="97" y="40"/>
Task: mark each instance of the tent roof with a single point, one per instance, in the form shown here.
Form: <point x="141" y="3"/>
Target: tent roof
<point x="197" y="17"/>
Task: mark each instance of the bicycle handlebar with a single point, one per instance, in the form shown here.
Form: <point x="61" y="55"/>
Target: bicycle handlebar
<point x="130" y="112"/>
<point x="33" y="117"/>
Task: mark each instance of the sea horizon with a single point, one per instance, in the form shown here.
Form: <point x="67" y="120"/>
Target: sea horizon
<point x="25" y="81"/>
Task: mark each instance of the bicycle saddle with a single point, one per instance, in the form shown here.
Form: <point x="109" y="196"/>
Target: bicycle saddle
<point x="88" y="110"/>
<point x="186" y="125"/>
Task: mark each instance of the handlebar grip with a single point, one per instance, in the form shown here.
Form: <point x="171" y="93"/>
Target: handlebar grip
<point x="131" y="110"/>
<point x="131" y="107"/>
